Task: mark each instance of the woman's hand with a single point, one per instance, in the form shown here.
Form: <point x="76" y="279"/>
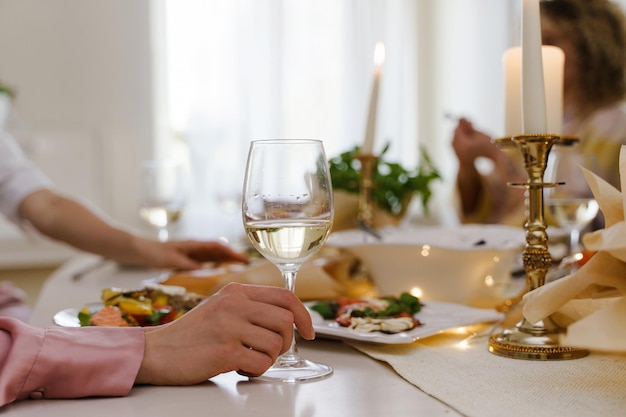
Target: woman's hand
<point x="66" y="220"/>
<point x="184" y="254"/>
<point x="474" y="188"/>
<point x="469" y="144"/>
<point x="241" y="328"/>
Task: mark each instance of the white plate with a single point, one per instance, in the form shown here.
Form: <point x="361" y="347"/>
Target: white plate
<point x="69" y="316"/>
<point x="435" y="317"/>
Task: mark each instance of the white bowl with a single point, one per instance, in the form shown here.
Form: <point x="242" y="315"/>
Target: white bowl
<point x="464" y="264"/>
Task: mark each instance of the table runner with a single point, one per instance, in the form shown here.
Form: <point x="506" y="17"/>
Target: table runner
<point x="478" y="383"/>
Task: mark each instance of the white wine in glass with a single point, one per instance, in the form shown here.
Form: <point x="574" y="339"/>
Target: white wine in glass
<point x="287" y="209"/>
<point x="570" y="205"/>
<point x="162" y="195"/>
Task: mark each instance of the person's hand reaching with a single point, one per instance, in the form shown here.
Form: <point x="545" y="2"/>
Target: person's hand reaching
<point x="184" y="254"/>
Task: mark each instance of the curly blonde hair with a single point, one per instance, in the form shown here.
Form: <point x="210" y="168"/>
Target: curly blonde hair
<point x="598" y="31"/>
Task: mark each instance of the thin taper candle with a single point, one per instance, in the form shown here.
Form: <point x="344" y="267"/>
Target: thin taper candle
<point x="533" y="90"/>
<point x="379" y="59"/>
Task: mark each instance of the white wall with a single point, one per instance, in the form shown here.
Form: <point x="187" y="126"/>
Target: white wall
<point x="82" y="70"/>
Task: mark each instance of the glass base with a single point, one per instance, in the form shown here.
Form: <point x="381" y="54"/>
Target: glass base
<point x="292" y="372"/>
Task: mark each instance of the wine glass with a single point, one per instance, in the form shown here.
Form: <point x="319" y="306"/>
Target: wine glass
<point x="230" y="165"/>
<point x="162" y="195"/>
<point x="287" y="209"/>
<point x="570" y="205"/>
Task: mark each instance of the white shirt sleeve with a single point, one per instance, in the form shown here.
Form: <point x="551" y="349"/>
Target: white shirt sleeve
<point x="19" y="177"/>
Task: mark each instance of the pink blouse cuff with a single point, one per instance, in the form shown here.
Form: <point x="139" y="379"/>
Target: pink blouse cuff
<point x="76" y="362"/>
<point x="86" y="362"/>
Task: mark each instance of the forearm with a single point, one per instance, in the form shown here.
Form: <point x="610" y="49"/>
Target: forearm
<point x="487" y="197"/>
<point x="469" y="186"/>
<point x="68" y="221"/>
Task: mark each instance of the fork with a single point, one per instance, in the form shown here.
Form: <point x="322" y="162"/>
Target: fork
<point x="368" y="229"/>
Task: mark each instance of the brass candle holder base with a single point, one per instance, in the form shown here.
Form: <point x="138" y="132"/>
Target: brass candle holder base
<point x="518" y="344"/>
<point x="538" y="341"/>
<point x="535" y="342"/>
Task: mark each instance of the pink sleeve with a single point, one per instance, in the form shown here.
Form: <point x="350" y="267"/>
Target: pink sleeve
<point x="12" y="302"/>
<point x="57" y="362"/>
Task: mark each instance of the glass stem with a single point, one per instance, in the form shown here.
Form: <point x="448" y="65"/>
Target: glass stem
<point x="291" y="356"/>
<point x="163" y="234"/>
<point x="574" y="238"/>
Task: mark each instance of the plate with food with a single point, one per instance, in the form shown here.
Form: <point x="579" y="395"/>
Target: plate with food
<point x="392" y="320"/>
<point x="151" y="305"/>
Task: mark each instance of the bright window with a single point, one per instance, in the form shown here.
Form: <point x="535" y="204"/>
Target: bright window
<point x="238" y="70"/>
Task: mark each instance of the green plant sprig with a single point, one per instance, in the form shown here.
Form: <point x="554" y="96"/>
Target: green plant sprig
<point x="393" y="184"/>
<point x="5" y="89"/>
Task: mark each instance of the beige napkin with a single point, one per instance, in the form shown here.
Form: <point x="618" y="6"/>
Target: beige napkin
<point x="477" y="383"/>
<point x="591" y="302"/>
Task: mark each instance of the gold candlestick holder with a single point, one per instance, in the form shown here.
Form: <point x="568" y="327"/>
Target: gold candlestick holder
<point x="365" y="215"/>
<point x="538" y="341"/>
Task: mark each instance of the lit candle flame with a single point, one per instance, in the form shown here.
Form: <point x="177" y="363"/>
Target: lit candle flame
<point x="379" y="54"/>
<point x="417" y="292"/>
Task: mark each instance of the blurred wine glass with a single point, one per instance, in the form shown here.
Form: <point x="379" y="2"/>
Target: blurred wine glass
<point x="162" y="195"/>
<point x="571" y="205"/>
<point x="230" y="166"/>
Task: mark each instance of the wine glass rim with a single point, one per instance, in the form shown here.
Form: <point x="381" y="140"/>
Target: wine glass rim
<point x="294" y="140"/>
<point x="161" y="162"/>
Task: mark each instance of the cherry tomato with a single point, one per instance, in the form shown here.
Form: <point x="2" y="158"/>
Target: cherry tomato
<point x="586" y="255"/>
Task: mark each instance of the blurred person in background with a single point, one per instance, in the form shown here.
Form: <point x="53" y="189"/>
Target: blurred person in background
<point x="592" y="34"/>
<point x="29" y="199"/>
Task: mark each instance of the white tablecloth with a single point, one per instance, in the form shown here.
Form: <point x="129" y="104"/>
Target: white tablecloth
<point x="431" y="377"/>
<point x="359" y="386"/>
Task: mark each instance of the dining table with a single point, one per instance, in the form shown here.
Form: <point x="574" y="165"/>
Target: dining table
<point x="359" y="385"/>
<point x="440" y="375"/>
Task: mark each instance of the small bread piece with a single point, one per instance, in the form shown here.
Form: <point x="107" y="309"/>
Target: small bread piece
<point x="202" y="281"/>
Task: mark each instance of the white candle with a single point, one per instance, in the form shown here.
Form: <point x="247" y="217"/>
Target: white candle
<point x="379" y="60"/>
<point x="533" y="95"/>
<point x="512" y="66"/>
<point x="553" y="63"/>
<point x="553" y="60"/>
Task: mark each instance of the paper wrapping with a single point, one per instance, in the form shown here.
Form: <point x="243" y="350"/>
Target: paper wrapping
<point x="591" y="301"/>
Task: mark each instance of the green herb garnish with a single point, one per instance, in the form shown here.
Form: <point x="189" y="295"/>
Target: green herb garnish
<point x="326" y="309"/>
<point x="405" y="303"/>
<point x="84" y="318"/>
<point x="157" y="315"/>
